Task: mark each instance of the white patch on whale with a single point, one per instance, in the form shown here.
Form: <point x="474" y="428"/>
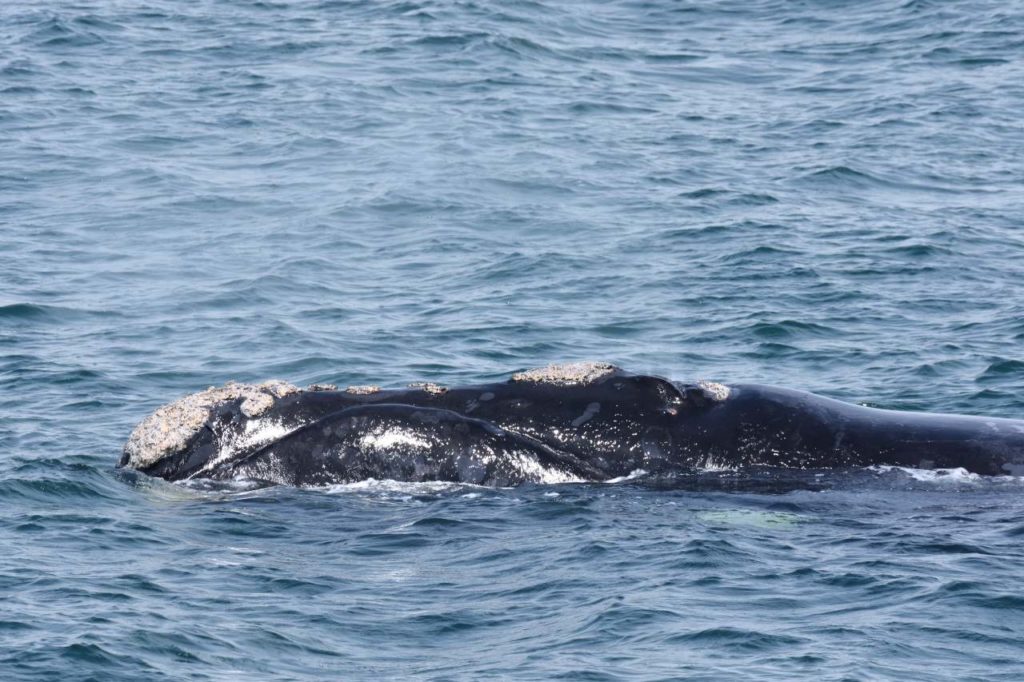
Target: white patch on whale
<point x="710" y="464"/>
<point x="538" y="473"/>
<point x="257" y="433"/>
<point x="388" y="439"/>
<point x="588" y="414"/>
<point x="714" y="390"/>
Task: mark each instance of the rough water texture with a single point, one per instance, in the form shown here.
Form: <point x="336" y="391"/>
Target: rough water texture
<point x="826" y="196"/>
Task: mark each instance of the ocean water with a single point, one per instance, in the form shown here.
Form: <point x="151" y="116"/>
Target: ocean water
<point x="824" y="195"/>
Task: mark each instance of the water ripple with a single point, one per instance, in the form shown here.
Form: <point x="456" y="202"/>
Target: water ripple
<point x="814" y="195"/>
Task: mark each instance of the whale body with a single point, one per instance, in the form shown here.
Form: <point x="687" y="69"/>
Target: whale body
<point x="562" y="423"/>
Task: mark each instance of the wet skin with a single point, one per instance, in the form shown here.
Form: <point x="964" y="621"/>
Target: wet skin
<point x="508" y="433"/>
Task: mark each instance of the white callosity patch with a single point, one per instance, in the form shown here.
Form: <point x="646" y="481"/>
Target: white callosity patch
<point x="576" y="373"/>
<point x="322" y="387"/>
<point x="362" y="390"/>
<point x="171" y="427"/>
<point x="713" y="390"/>
<point x="429" y="387"/>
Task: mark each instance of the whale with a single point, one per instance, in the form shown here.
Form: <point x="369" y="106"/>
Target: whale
<point x="576" y="422"/>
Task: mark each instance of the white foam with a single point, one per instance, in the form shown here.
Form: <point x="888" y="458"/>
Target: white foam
<point x="955" y="475"/>
<point x="531" y="467"/>
<point x="374" y="485"/>
<point x="634" y="474"/>
<point x="234" y="486"/>
<point x="947" y="476"/>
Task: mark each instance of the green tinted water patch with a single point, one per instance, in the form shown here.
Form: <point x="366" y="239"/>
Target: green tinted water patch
<point x="751" y="518"/>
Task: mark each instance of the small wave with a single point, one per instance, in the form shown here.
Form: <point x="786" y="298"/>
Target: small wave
<point x="1000" y="369"/>
<point x="844" y="175"/>
<point x="69" y="484"/>
<point x="49" y="313"/>
<point x="788" y="328"/>
<point x="736" y="639"/>
<point x="24" y="311"/>
<point x="451" y="40"/>
<point x="919" y="250"/>
<point x="750" y="199"/>
<point x="957" y="475"/>
<point x="673" y="57"/>
<point x="704" y="193"/>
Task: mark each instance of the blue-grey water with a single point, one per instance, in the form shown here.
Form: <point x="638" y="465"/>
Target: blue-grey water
<point x="823" y="195"/>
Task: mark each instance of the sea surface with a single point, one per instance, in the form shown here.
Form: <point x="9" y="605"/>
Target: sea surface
<point x="824" y="195"/>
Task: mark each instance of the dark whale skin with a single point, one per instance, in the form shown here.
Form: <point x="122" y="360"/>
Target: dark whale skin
<point x="514" y="432"/>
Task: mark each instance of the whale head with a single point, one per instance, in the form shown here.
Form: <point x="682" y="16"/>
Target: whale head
<point x="190" y="436"/>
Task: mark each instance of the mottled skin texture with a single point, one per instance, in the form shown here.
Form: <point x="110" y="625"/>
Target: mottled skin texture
<point x="508" y="433"/>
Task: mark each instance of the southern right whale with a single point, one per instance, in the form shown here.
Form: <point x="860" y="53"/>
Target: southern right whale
<point x="578" y="422"/>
